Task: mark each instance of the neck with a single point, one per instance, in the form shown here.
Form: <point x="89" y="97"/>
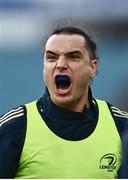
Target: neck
<point x="78" y="105"/>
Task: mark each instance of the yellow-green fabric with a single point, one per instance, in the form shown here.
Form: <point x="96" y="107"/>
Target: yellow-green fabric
<point x="46" y="155"/>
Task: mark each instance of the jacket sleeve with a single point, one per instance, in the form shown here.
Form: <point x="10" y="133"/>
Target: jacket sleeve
<point x="12" y="135"/>
<point x="121" y="121"/>
<point x="124" y="168"/>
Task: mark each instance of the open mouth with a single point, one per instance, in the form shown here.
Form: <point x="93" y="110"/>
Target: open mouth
<point x="63" y="82"/>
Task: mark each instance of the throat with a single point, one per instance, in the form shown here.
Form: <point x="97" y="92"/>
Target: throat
<point x="78" y="106"/>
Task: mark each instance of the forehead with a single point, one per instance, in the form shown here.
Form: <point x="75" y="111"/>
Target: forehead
<point x="65" y="42"/>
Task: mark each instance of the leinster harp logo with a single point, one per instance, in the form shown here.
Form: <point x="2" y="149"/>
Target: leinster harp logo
<point x="108" y="162"/>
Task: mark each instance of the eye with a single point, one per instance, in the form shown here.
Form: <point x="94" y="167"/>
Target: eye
<point x="74" y="56"/>
<point x="51" y="57"/>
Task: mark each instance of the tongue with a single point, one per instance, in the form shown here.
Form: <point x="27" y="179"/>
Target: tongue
<point x="62" y="82"/>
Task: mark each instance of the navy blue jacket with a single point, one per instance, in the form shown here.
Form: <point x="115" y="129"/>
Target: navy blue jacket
<point x="66" y="124"/>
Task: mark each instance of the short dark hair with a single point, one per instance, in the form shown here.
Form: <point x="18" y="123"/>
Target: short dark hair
<point x="90" y="44"/>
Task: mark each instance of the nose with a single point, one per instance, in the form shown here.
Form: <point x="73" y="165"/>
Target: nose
<point x="61" y="63"/>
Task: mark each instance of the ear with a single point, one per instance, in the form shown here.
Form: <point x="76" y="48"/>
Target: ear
<point x="93" y="65"/>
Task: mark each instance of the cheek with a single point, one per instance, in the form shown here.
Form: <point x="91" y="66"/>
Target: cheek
<point x="48" y="67"/>
<point x="83" y="72"/>
<point x="82" y="77"/>
<point x="47" y="74"/>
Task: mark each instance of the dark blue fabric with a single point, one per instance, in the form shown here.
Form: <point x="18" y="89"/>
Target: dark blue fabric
<point x="66" y="124"/>
<point x="12" y="135"/>
<point x="122" y="127"/>
<point x="123" y="173"/>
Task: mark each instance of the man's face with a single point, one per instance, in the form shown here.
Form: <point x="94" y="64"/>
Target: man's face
<point x="67" y="69"/>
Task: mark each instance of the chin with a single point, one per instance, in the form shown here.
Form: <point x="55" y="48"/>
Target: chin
<point x="62" y="101"/>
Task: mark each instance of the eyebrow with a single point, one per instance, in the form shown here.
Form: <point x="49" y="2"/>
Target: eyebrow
<point x="50" y="52"/>
<point x="68" y="53"/>
<point x="73" y="52"/>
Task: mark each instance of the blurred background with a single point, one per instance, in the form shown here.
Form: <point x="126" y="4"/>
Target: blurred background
<point x="24" y="26"/>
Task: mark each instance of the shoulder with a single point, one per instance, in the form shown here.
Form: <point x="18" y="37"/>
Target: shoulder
<point x="120" y="117"/>
<point x="13" y="123"/>
<point x="118" y="113"/>
<point x="12" y="136"/>
<point x="12" y="116"/>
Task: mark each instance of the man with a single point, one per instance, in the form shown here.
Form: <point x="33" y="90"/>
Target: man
<point x="67" y="133"/>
